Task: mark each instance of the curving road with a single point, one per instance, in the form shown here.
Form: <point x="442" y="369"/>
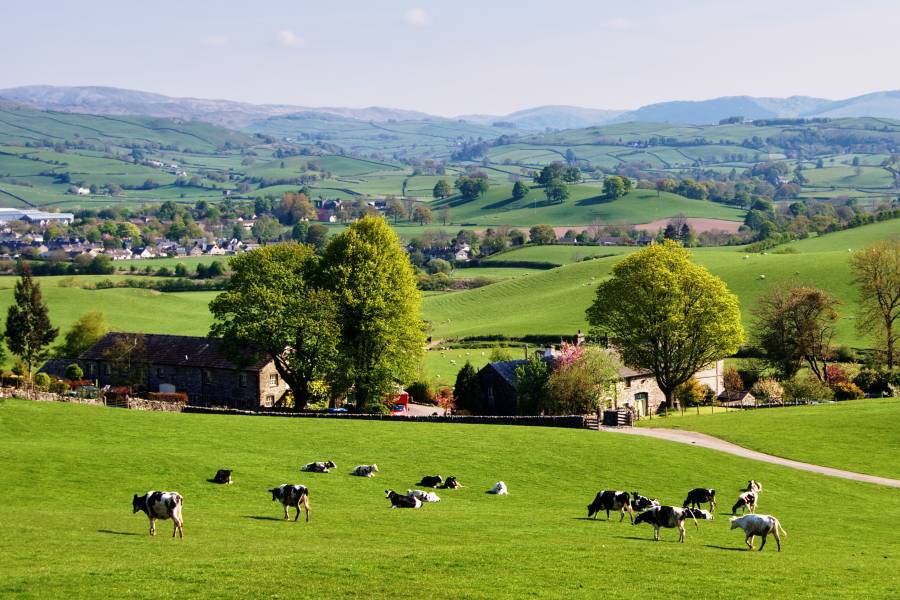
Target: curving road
<point x="714" y="443"/>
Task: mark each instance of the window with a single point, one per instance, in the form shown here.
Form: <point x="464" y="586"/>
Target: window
<point x="242" y="379"/>
<point x="207" y="377"/>
<point x="90" y="369"/>
<point x="159" y="372"/>
<point x="107" y="369"/>
<point x="273" y="380"/>
<point x="270" y="400"/>
<point x="627" y="382"/>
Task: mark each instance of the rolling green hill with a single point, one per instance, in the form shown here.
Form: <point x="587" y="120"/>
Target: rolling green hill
<point x="475" y="545"/>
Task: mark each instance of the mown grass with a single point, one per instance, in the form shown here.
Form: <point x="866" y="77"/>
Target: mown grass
<point x="67" y="474"/>
<point x="860" y="435"/>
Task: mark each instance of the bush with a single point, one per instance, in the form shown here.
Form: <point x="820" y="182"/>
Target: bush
<point x="768" y="391"/>
<point x="845" y="390"/>
<point x="877" y="382"/>
<point x="59" y="387"/>
<point x="420" y="392"/>
<point x="74" y="372"/>
<point x="732" y="380"/>
<point x="42" y="381"/>
<point x="835" y="374"/>
<point x="845" y="354"/>
<point x="806" y="389"/>
<point x="439" y="265"/>
<point x="691" y="393"/>
<point x="174" y="397"/>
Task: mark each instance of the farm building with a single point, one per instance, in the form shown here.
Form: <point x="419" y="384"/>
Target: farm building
<point x="196" y="366"/>
<point x="737" y="399"/>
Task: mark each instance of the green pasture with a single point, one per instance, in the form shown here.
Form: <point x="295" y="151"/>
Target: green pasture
<point x="536" y="542"/>
<point x="846" y="177"/>
<point x="858" y="435"/>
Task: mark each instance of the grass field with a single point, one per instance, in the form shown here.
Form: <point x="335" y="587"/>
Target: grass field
<point x="862" y="435"/>
<point x="83" y="540"/>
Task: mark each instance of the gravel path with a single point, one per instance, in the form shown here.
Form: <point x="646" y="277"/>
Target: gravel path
<point x="714" y="443"/>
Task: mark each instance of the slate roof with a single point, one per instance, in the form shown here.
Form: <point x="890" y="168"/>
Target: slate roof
<point x="507" y="369"/>
<point x="173" y="350"/>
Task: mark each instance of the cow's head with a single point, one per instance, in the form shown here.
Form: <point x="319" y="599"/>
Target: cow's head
<point x="643" y="517"/>
<point x="330" y="464"/>
<point x="389" y="493"/>
<point x="735" y="522"/>
<point x="136" y="503"/>
<point x="374" y="468"/>
<point x="276" y="494"/>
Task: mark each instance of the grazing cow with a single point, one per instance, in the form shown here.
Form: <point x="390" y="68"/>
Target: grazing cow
<point x="499" y="489"/>
<point x="758" y="525"/>
<point x="431" y="481"/>
<point x="161" y="505"/>
<point x="319" y="467"/>
<point x="223" y="476"/>
<point x="292" y="495"/>
<point x="365" y="470"/>
<point x="609" y="500"/>
<point x="423" y="496"/>
<point x="451" y="484"/>
<point x="398" y="501"/>
<point x="697" y="496"/>
<point x="639" y="503"/>
<point x="753" y="486"/>
<point x="670" y="517"/>
<point x="746" y="501"/>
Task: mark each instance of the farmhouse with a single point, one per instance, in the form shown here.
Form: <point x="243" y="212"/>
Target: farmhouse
<point x="196" y="366"/>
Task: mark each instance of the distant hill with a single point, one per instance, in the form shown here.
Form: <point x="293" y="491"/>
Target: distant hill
<point x="704" y="112"/>
<point x="549" y="117"/>
<point x="878" y="104"/>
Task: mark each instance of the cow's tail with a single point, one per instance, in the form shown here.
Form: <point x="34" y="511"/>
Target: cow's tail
<point x="306" y="504"/>
<point x="779" y="527"/>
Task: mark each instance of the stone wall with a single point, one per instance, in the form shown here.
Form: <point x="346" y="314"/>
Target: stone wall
<point x="38" y="396"/>
<point x="157" y="405"/>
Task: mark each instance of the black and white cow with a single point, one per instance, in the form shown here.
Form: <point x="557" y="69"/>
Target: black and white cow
<point x="292" y="495"/>
<point x="423" y="496"/>
<point x="451" y="484"/>
<point x="639" y="503"/>
<point x="223" y="476"/>
<point x="365" y="470"/>
<point x="746" y="501"/>
<point x="670" y="517"/>
<point x="753" y="486"/>
<point x="431" y="481"/>
<point x="697" y="496"/>
<point x="319" y="467"/>
<point x="761" y="525"/>
<point x="161" y="505"/>
<point x="611" y="500"/>
<point x="400" y="501"/>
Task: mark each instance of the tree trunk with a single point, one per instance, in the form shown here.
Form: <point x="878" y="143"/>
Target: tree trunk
<point x="890" y="343"/>
<point x="670" y="398"/>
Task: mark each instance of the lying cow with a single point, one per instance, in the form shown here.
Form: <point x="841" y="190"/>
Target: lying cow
<point x="746" y="501"/>
<point x="223" y="476"/>
<point x="431" y="481"/>
<point x="697" y="496"/>
<point x="753" y="486"/>
<point x="292" y="495"/>
<point x="399" y="501"/>
<point x="758" y="525"/>
<point x="319" y="467"/>
<point x="423" y="496"/>
<point x="671" y="517"/>
<point x="451" y="484"/>
<point x="499" y="489"/>
<point x="365" y="470"/>
<point x="609" y="500"/>
<point x="639" y="503"/>
<point x="161" y="505"/>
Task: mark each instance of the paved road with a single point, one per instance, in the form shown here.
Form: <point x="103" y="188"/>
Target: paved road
<point x="708" y="441"/>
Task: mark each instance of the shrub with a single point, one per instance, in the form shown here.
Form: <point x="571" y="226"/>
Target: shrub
<point x="835" y="374"/>
<point x="806" y="389"/>
<point x="691" y="393"/>
<point x="845" y="354"/>
<point x="732" y="380"/>
<point x="500" y="354"/>
<point x="768" y="391"/>
<point x="174" y="397"/>
<point x="420" y="392"/>
<point x="876" y="382"/>
<point x="444" y="399"/>
<point x="59" y="387"/>
<point x="42" y="381"/>
<point x="845" y="390"/>
<point x="75" y="372"/>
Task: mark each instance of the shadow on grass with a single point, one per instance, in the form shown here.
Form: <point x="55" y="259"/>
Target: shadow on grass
<point x="258" y="518"/>
<point x="499" y="204"/>
<point x="732" y="548"/>
<point x="593" y="200"/>
<point x="111" y="532"/>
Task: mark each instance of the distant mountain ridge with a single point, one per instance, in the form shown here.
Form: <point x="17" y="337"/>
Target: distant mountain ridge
<point x="244" y="115"/>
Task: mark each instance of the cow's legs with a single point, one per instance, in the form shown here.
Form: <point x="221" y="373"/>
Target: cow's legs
<point x="763" y="545"/>
<point x="297" y="516"/>
<point x="749" y="541"/>
<point x="152" y="526"/>
<point x="178" y="527"/>
<point x="681" y="532"/>
<point x="286" y="516"/>
<point x="777" y="538"/>
<point x="656" y="533"/>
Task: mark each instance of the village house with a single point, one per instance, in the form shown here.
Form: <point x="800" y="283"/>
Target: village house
<point x="196" y="366"/>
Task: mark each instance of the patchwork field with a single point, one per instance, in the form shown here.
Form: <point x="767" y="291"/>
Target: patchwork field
<point x="862" y="435"/>
<point x="536" y="542"/>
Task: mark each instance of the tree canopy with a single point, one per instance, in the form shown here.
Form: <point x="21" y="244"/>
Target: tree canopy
<point x="85" y="332"/>
<point x="28" y="329"/>
<point x="876" y="272"/>
<point x="667" y="315"/>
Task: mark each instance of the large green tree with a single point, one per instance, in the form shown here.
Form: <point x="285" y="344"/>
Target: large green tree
<point x="85" y="332"/>
<point x="28" y="329"/>
<point x="381" y="334"/>
<point x="273" y="307"/>
<point x="876" y="272"/>
<point x="667" y="315"/>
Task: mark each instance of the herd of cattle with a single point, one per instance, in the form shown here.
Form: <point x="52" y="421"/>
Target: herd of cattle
<point x="168" y="505"/>
<point x="658" y="516"/>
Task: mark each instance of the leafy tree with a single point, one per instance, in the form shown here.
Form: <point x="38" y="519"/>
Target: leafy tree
<point x="381" y="335"/>
<point x="445" y="215"/>
<point x="85" y="332"/>
<point x="556" y="192"/>
<point x="582" y="385"/>
<point x="299" y="231"/>
<point x="472" y="186"/>
<point x="768" y="391"/>
<point x="876" y="273"/>
<point x="806" y="389"/>
<point x="691" y="393"/>
<point x="550" y="173"/>
<point x="74" y="372"/>
<point x="519" y="190"/>
<point x="28" y="329"/>
<point x="542" y="234"/>
<point x="614" y="187"/>
<point x="571" y="175"/>
<point x="796" y="325"/>
<point x="317" y="236"/>
<point x="732" y="381"/>
<point x="466" y="390"/>
<point x="181" y="270"/>
<point x="500" y="354"/>
<point x="531" y="386"/>
<point x="666" y="314"/>
<point x="273" y="307"/>
<point x="441" y="189"/>
<point x="266" y="229"/>
<point x="422" y="215"/>
<point x="394" y="208"/>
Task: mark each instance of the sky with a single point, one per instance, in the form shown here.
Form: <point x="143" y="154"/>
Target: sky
<point x="456" y="57"/>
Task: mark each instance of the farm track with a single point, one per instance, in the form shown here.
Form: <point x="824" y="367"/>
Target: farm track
<point x="714" y="443"/>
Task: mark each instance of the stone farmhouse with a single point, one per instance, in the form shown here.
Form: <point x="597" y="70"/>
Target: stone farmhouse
<point x="196" y="366"/>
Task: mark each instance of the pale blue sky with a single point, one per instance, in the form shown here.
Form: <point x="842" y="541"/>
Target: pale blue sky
<point x="456" y="57"/>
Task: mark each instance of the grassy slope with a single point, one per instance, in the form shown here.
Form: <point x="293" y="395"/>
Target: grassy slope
<point x="862" y="436"/>
<point x="470" y="545"/>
